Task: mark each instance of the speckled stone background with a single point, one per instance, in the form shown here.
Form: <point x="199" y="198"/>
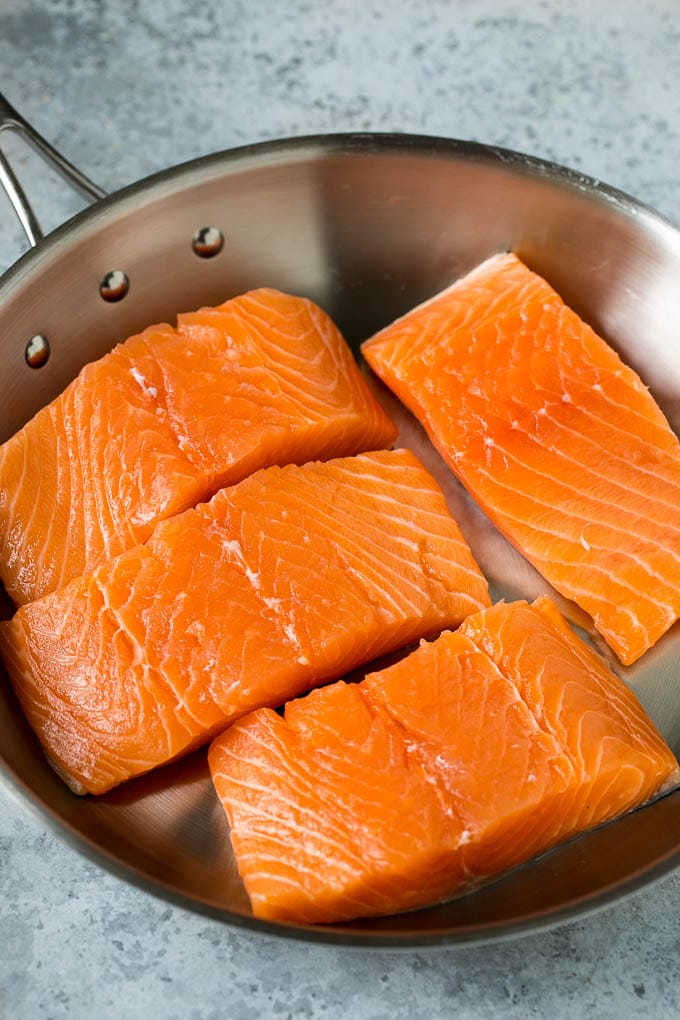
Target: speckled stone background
<point x="129" y="87"/>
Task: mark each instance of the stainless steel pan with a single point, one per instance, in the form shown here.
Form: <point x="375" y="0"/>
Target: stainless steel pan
<point x="367" y="225"/>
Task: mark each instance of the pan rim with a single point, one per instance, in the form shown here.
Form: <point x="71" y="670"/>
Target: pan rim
<point x="233" y="161"/>
<point x="332" y="935"/>
<point x="364" y="143"/>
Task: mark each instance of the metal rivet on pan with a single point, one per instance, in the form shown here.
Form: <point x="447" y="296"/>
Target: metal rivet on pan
<point x="207" y="241"/>
<point x="114" y="285"/>
<point x="37" y="351"/>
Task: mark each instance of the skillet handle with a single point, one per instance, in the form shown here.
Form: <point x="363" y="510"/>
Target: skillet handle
<point x="11" y="120"/>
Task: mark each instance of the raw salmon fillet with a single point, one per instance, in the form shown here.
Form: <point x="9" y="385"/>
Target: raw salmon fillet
<point x="469" y="756"/>
<point x="166" y="419"/>
<point x="558" y="441"/>
<point x="294" y="576"/>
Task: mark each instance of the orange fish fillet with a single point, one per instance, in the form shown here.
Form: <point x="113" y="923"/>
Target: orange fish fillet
<point x="558" y="441"/>
<point x="291" y="577"/>
<point x="474" y="753"/>
<point x="165" y="420"/>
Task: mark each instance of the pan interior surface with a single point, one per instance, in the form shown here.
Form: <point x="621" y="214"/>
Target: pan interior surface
<point x="367" y="226"/>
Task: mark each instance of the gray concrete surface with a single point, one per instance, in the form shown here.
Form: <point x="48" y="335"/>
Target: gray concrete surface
<point x="130" y="87"/>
